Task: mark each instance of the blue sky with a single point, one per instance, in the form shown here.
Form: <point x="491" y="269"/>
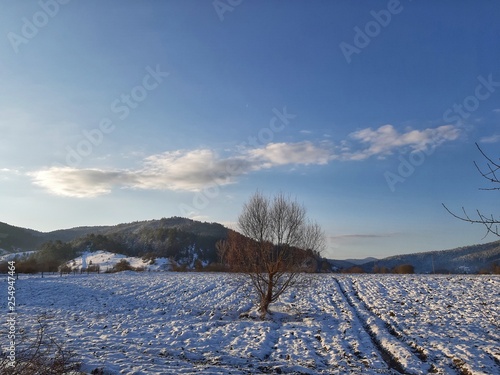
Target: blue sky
<point x="366" y="112"/>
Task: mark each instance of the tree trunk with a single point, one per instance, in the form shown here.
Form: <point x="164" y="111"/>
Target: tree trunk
<point x="267" y="298"/>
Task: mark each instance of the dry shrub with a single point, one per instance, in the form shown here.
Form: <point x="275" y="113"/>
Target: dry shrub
<point x="39" y="354"/>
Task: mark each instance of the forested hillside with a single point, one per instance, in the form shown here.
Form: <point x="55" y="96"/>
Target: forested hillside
<point x="183" y="240"/>
<point x="13" y="239"/>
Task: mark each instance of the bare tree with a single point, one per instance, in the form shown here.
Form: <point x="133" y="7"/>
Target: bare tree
<point x="275" y="246"/>
<point x="490" y="173"/>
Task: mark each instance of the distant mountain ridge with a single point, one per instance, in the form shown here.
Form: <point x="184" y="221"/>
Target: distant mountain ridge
<point x="467" y="259"/>
<point x="15" y="239"/>
<point x="359" y="262"/>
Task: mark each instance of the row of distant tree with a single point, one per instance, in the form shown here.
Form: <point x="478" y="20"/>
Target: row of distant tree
<point x="400" y="269"/>
<point x="493" y="268"/>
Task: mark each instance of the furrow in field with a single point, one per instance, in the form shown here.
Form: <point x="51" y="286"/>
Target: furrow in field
<point x="350" y="346"/>
<point x="445" y="316"/>
<point x="396" y="353"/>
<point x="157" y="323"/>
<point x="368" y="290"/>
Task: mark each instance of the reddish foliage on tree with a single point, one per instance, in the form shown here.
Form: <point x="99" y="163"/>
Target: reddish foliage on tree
<point x="276" y="245"/>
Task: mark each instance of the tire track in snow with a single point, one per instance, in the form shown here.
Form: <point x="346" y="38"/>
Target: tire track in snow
<point x="392" y="326"/>
<point x="349" y="345"/>
<point x="396" y="353"/>
<point x="443" y="330"/>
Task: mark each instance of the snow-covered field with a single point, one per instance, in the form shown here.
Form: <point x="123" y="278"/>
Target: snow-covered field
<point x="186" y="323"/>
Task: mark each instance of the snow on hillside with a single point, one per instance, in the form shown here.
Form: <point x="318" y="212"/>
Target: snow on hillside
<point x="190" y="323"/>
<point x="107" y="261"/>
<point x="12" y="256"/>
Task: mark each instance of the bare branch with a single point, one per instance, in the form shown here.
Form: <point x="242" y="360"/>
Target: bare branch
<point x="492" y="166"/>
<point x="489" y="222"/>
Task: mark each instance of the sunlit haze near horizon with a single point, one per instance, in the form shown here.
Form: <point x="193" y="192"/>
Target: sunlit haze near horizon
<point x="368" y="113"/>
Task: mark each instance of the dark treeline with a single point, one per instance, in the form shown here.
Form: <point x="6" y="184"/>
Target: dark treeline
<point x="173" y="243"/>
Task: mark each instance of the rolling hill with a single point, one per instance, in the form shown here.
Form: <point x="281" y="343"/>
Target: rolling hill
<point x="182" y="239"/>
<point x="15" y="239"/>
<point x="468" y="259"/>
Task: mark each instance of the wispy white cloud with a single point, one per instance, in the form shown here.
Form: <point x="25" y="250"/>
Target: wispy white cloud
<point x="386" y="139"/>
<point x="177" y="170"/>
<point x="80" y="183"/>
<point x="194" y="170"/>
<point x="301" y="153"/>
<point x="490" y="139"/>
<point x="190" y="170"/>
<point x="10" y="170"/>
<point x="8" y="173"/>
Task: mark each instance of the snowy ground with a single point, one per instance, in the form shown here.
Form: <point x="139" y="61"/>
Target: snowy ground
<point x="107" y="260"/>
<point x="186" y="323"/>
<point x="6" y="256"/>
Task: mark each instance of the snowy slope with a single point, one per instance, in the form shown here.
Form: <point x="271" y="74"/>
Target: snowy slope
<point x="11" y="256"/>
<point x="107" y="261"/>
<point x="177" y="323"/>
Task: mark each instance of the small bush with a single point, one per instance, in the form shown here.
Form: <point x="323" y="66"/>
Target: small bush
<point x="380" y="269"/>
<point x="4" y="267"/>
<point x="353" y="269"/>
<point x="179" y="267"/>
<point x="198" y="265"/>
<point x="65" y="269"/>
<point x="41" y="354"/>
<point x="93" y="268"/>
<point x="149" y="257"/>
<point x="493" y="268"/>
<point x="122" y="265"/>
<point x="29" y="266"/>
<point x="404" y="269"/>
